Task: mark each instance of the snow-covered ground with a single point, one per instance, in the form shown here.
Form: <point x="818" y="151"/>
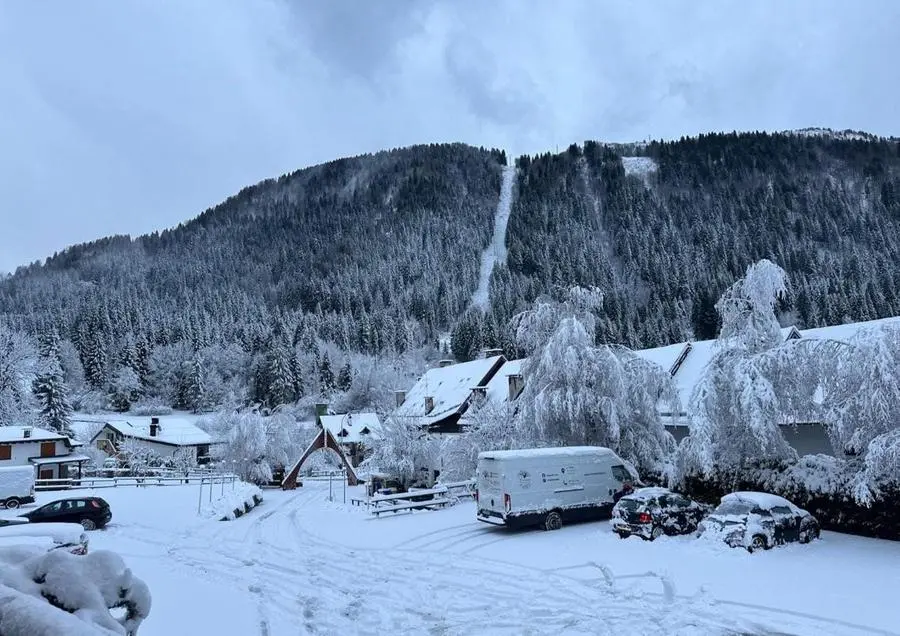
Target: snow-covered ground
<point x="299" y="564"/>
<point x="495" y="252"/>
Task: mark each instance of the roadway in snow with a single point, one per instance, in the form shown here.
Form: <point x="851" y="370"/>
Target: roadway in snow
<point x="301" y="564"/>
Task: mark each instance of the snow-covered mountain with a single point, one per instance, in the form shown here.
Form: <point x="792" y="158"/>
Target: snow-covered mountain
<point x="386" y="252"/>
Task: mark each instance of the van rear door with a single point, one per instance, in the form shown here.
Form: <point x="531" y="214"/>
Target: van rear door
<point x="489" y="488"/>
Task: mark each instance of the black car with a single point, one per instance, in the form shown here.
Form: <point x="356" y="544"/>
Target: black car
<point x="90" y="512"/>
<point x="650" y="513"/>
<point x="759" y="521"/>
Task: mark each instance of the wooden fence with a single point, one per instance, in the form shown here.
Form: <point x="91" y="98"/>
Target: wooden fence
<point x="115" y="482"/>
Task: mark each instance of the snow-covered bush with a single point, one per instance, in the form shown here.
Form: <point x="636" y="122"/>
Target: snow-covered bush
<point x="404" y="450"/>
<point x="257" y="444"/>
<point x="231" y="500"/>
<point x="86" y="587"/>
<point x="151" y="405"/>
<point x="489" y="427"/>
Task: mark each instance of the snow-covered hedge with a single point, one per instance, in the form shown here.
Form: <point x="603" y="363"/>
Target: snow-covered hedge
<point x="52" y="593"/>
<point x="234" y="502"/>
<point x="823" y="485"/>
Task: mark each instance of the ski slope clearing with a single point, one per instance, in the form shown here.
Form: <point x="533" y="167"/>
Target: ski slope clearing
<point x="299" y="564"/>
<point x="495" y="252"/>
<point x="638" y="166"/>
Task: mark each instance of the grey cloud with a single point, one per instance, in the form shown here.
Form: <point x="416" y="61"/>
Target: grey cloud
<point x="127" y="117"/>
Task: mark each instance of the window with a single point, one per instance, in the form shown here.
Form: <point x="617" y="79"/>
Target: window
<point x="5" y="451"/>
<point x="620" y="473"/>
<point x="48" y="449"/>
<point x="782" y="510"/>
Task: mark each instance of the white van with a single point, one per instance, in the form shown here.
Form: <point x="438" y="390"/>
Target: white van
<point x="16" y="486"/>
<point x="547" y="486"/>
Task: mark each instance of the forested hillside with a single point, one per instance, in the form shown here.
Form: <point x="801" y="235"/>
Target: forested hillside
<point x="379" y="254"/>
<point x="665" y="243"/>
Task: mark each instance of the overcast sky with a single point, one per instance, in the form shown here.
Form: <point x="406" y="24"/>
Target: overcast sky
<point x="125" y="117"/>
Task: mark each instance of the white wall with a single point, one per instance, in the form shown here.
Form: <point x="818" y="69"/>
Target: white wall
<point x="21" y="452"/>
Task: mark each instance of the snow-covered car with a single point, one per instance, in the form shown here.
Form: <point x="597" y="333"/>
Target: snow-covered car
<point x="650" y="513"/>
<point x="49" y="536"/>
<point x="759" y="521"/>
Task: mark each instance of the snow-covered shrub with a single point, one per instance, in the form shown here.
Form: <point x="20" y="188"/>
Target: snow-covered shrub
<point x="87" y="587"/>
<point x="231" y="500"/>
<point x="404" y="450"/>
<point x="489" y="427"/>
<point x="151" y="405"/>
<point x="257" y="444"/>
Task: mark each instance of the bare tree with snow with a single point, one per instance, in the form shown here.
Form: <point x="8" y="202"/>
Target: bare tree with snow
<point x="18" y="360"/>
<point x="404" y="449"/>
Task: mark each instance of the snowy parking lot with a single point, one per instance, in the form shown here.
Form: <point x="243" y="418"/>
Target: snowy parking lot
<point x="302" y="564"/>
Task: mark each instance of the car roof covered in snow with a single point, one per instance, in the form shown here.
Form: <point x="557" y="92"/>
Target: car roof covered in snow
<point x="553" y="451"/>
<point x="650" y="492"/>
<point x="764" y="500"/>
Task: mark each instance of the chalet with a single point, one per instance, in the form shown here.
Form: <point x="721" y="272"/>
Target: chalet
<point x="354" y="432"/>
<point x="497" y="397"/>
<point x="51" y="453"/>
<point x="687" y="361"/>
<point x="162" y="435"/>
<point x="443" y="394"/>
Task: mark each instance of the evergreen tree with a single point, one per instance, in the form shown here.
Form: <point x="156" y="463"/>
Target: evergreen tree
<point x="326" y="376"/>
<point x="195" y="387"/>
<point x="50" y="390"/>
<point x="345" y="377"/>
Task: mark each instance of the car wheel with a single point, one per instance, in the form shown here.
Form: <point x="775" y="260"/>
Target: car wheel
<point x="758" y="542"/>
<point x="88" y="524"/>
<point x="656" y="533"/>
<point x="12" y="504"/>
<point x="808" y="535"/>
<point x="622" y="535"/>
<point x="553" y="521"/>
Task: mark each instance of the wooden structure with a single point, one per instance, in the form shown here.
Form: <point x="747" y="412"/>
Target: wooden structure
<point x="324" y="440"/>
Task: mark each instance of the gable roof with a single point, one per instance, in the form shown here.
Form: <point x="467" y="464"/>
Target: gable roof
<point x="10" y="434"/>
<point x="349" y="428"/>
<point x="449" y="386"/>
<point x="498" y="386"/>
<point x="172" y="431"/>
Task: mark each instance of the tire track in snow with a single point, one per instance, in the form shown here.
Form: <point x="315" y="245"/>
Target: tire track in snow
<point x="495" y="252"/>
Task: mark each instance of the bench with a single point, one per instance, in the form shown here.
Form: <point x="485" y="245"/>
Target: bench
<point x="412" y="500"/>
<point x="438" y="502"/>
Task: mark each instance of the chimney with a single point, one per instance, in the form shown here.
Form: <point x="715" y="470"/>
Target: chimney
<point x="445" y="363"/>
<point x="516" y="384"/>
<point x="479" y="393"/>
<point x="429" y="404"/>
<point x="154" y="426"/>
<point x="321" y="409"/>
<point x="399" y="398"/>
<point x="26" y="432"/>
<point x="491" y="353"/>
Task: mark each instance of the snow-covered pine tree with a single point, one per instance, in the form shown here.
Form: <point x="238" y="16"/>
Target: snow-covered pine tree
<point x="195" y="385"/>
<point x="345" y="377"/>
<point x="326" y="376"/>
<point x="51" y="393"/>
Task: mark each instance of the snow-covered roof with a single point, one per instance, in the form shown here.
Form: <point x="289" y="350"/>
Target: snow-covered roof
<point x="17" y="434"/>
<point x="553" y="451"/>
<point x="60" y="459"/>
<point x="498" y="387"/>
<point x="352" y="426"/>
<point x="849" y="331"/>
<point x="449" y="386"/>
<point x="762" y="499"/>
<point x="172" y="430"/>
<point x="666" y="356"/>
